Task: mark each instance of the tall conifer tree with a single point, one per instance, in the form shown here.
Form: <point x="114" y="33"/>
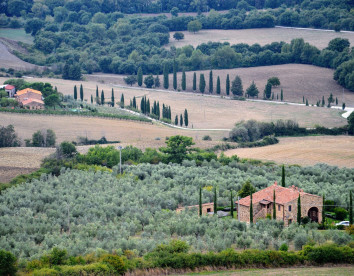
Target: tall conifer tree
<point x="299" y="210"/>
<point x="97" y="98"/>
<point x="215" y="202"/>
<point x="122" y="101"/>
<point x="75" y="92"/>
<point x="184" y="85"/>
<point x="186" y="117"/>
<point x="112" y="98"/>
<point x="281" y="95"/>
<point x="211" y="82"/>
<point x="350" y="208"/>
<point x="232" y="205"/>
<point x="228" y="85"/>
<point x="140" y="76"/>
<point x="283" y="176"/>
<point x="251" y="210"/>
<point x="174" y="75"/>
<point x="181" y="120"/>
<point x="274" y="209"/>
<point x="194" y="81"/>
<point x="236" y="86"/>
<point x="165" y="76"/>
<point x="102" y="98"/>
<point x="200" y="201"/>
<point x="218" y="88"/>
<point x="176" y="120"/>
<point x="81" y="93"/>
<point x="202" y="83"/>
<point x="91" y="99"/>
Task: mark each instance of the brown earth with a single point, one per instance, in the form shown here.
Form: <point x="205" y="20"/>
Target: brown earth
<point x="332" y="150"/>
<point x="318" y="38"/>
<point x="9" y="60"/>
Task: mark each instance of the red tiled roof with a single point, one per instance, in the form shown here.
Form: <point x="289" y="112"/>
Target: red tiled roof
<point x="9" y="87"/>
<point x="26" y="90"/>
<point x="32" y="100"/>
<point x="282" y="195"/>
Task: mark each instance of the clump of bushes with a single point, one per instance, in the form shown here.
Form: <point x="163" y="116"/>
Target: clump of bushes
<point x="8" y="265"/>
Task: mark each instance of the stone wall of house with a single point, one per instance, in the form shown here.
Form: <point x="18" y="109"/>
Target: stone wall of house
<point x="206" y="207"/>
<point x="29" y="95"/>
<point x="307" y="202"/>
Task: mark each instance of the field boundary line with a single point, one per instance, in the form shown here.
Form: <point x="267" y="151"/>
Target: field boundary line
<point x="311" y="29"/>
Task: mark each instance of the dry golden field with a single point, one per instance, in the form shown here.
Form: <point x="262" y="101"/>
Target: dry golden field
<point x="332" y="150"/>
<point x="318" y="38"/>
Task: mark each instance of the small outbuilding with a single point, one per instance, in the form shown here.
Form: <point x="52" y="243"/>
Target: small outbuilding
<point x="11" y="90"/>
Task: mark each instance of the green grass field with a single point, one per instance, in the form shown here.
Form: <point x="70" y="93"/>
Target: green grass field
<point x="16" y="34"/>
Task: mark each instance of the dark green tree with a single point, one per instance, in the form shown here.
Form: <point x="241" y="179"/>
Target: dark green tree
<point x="165" y="76"/>
<point x="174" y="75"/>
<point x="227" y="84"/>
<point x="75" y="92"/>
<point x="112" y="98"/>
<point x="140" y="76"/>
<point x="181" y="120"/>
<point x="323" y="210"/>
<point x="274" y="207"/>
<point x="236" y="86"/>
<point x="247" y="189"/>
<point x="81" y="93"/>
<point x="91" y="99"/>
<point x="323" y="102"/>
<point x="336" y="101"/>
<point x="281" y="95"/>
<point x="303" y="99"/>
<point x="200" y="202"/>
<point x="330" y="100"/>
<point x="268" y="90"/>
<point x="176" y="120"/>
<point x="211" y="82"/>
<point x="122" y="101"/>
<point x="307" y="102"/>
<point x="194" y="81"/>
<point x="178" y="35"/>
<point x="215" y="202"/>
<point x="232" y="205"/>
<point x="350" y="208"/>
<point x="149" y="81"/>
<point x="177" y="149"/>
<point x="283" y="176"/>
<point x="350" y="120"/>
<point x="184" y="80"/>
<point x="97" y="98"/>
<point x="218" y="88"/>
<point x="186" y="117"/>
<point x="102" y="98"/>
<point x="202" y="83"/>
<point x="8" y="266"/>
<point x="157" y="82"/>
<point x="130" y="80"/>
<point x="252" y="90"/>
<point x="299" y="210"/>
<point x="251" y="210"/>
<point x="194" y="26"/>
<point x="134" y="102"/>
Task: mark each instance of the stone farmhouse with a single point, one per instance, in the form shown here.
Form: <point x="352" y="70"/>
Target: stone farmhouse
<point x="206" y="208"/>
<point x="11" y="90"/>
<point x="286" y="199"/>
<point x="30" y="98"/>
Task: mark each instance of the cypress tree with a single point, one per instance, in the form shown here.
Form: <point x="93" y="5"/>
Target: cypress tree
<point x="323" y="210"/>
<point x="169" y="112"/>
<point x="350" y="208"/>
<point x="299" y="210"/>
<point x="202" y="83"/>
<point x="228" y="85"/>
<point x="97" y="98"/>
<point x="200" y="201"/>
<point x="112" y="98"/>
<point x="211" y="82"/>
<point x="251" y="211"/>
<point x="165" y="76"/>
<point x="148" y="106"/>
<point x="186" y="117"/>
<point x="91" y="99"/>
<point x="274" y="209"/>
<point x="273" y="96"/>
<point x="140" y="76"/>
<point x="184" y="80"/>
<point x="176" y="120"/>
<point x="323" y="101"/>
<point x="268" y="90"/>
<point x="81" y="93"/>
<point x="174" y="75"/>
<point x="307" y="102"/>
<point x="75" y="92"/>
<point x="236" y="86"/>
<point x="157" y="82"/>
<point x="122" y="101"/>
<point x="158" y="110"/>
<point x="232" y="205"/>
<point x="303" y="99"/>
<point x="194" y="81"/>
<point x="181" y="120"/>
<point x="102" y="97"/>
<point x="281" y="95"/>
<point x="343" y="106"/>
<point x="134" y="102"/>
<point x="218" y="88"/>
<point x="215" y="202"/>
<point x="283" y="176"/>
<point x="336" y="101"/>
<point x="142" y="105"/>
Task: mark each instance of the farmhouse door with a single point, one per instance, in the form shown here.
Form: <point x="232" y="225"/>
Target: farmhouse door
<point x="313" y="214"/>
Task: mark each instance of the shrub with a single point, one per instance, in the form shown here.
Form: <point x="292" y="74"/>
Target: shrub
<point x="46" y="272"/>
<point x="8" y="264"/>
<point x="300" y="240"/>
<point x="206" y="138"/>
<point x="284" y="247"/>
<point x="329" y="253"/>
<point x="116" y="262"/>
<point x="350" y="229"/>
<point x="341" y="213"/>
<point x="57" y="256"/>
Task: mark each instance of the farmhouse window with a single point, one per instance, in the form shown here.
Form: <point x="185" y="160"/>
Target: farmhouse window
<point x="289" y="208"/>
<point x="209" y="210"/>
<point x="278" y="207"/>
<point x="290" y="221"/>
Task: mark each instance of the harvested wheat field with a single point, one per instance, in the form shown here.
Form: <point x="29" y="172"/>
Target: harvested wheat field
<point x="318" y="38"/>
<point x="304" y="151"/>
<point x="70" y="127"/>
<point x="16" y="161"/>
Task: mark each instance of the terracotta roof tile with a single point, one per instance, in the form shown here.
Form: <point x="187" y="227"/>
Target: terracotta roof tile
<point x="24" y="91"/>
<point x="9" y="87"/>
<point x="282" y="195"/>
